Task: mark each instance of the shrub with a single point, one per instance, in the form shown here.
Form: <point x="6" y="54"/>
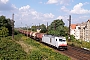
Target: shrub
<point x="9" y="50"/>
<point x="3" y="32"/>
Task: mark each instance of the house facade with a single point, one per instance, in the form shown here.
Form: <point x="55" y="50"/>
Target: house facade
<point x="81" y="31"/>
<point x="75" y="30"/>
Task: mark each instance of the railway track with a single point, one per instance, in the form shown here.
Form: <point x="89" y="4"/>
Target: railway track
<point x="76" y="53"/>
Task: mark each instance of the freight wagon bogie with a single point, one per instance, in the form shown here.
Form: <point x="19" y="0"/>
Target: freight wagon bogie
<point x="62" y="47"/>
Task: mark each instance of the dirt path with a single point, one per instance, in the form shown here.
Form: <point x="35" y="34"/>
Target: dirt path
<point x="26" y="47"/>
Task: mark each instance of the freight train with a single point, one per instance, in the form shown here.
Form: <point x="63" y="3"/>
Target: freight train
<point x="58" y="42"/>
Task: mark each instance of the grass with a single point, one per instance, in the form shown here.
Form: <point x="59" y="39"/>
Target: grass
<point x="78" y="43"/>
<point x="10" y="50"/>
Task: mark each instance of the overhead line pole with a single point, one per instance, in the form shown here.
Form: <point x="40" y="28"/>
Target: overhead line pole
<point x="69" y="27"/>
<point x="12" y="21"/>
<point x="27" y="31"/>
<point x="47" y="27"/>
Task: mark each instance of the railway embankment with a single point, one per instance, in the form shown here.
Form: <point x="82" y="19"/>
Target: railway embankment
<point x="27" y="49"/>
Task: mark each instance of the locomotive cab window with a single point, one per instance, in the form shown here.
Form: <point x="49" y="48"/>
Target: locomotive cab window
<point x="56" y="39"/>
<point x="60" y="40"/>
<point x="63" y="40"/>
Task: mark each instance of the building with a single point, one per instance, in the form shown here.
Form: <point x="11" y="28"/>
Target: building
<point x="87" y="31"/>
<point x="72" y="29"/>
<point x="75" y="30"/>
<point x="81" y="31"/>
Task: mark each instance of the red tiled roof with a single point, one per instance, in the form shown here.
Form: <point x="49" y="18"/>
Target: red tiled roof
<point x="73" y="26"/>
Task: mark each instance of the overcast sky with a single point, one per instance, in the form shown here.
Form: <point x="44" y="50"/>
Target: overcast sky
<point x="33" y="12"/>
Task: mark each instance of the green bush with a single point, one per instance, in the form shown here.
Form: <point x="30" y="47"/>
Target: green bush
<point x="79" y="43"/>
<point x="9" y="50"/>
<point x="16" y="32"/>
<point x="86" y="44"/>
<point x="18" y="37"/>
<point x="3" y="32"/>
<point x="36" y="55"/>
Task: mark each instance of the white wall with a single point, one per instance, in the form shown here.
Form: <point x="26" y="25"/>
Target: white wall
<point x="76" y="32"/>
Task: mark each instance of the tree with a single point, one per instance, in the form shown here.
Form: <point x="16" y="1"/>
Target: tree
<point x="57" y="28"/>
<point x="6" y="23"/>
<point x="43" y="28"/>
<point x="72" y="37"/>
<point x="3" y="21"/>
<point x="9" y="26"/>
<point x="33" y="28"/>
<point x="56" y="23"/>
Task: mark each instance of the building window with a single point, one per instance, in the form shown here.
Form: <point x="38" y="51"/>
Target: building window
<point x="79" y="28"/>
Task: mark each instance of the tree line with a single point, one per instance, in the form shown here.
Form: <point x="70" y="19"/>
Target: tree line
<point x="57" y="28"/>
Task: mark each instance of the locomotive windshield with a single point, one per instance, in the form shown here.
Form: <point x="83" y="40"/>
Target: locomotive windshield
<point x="62" y="40"/>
